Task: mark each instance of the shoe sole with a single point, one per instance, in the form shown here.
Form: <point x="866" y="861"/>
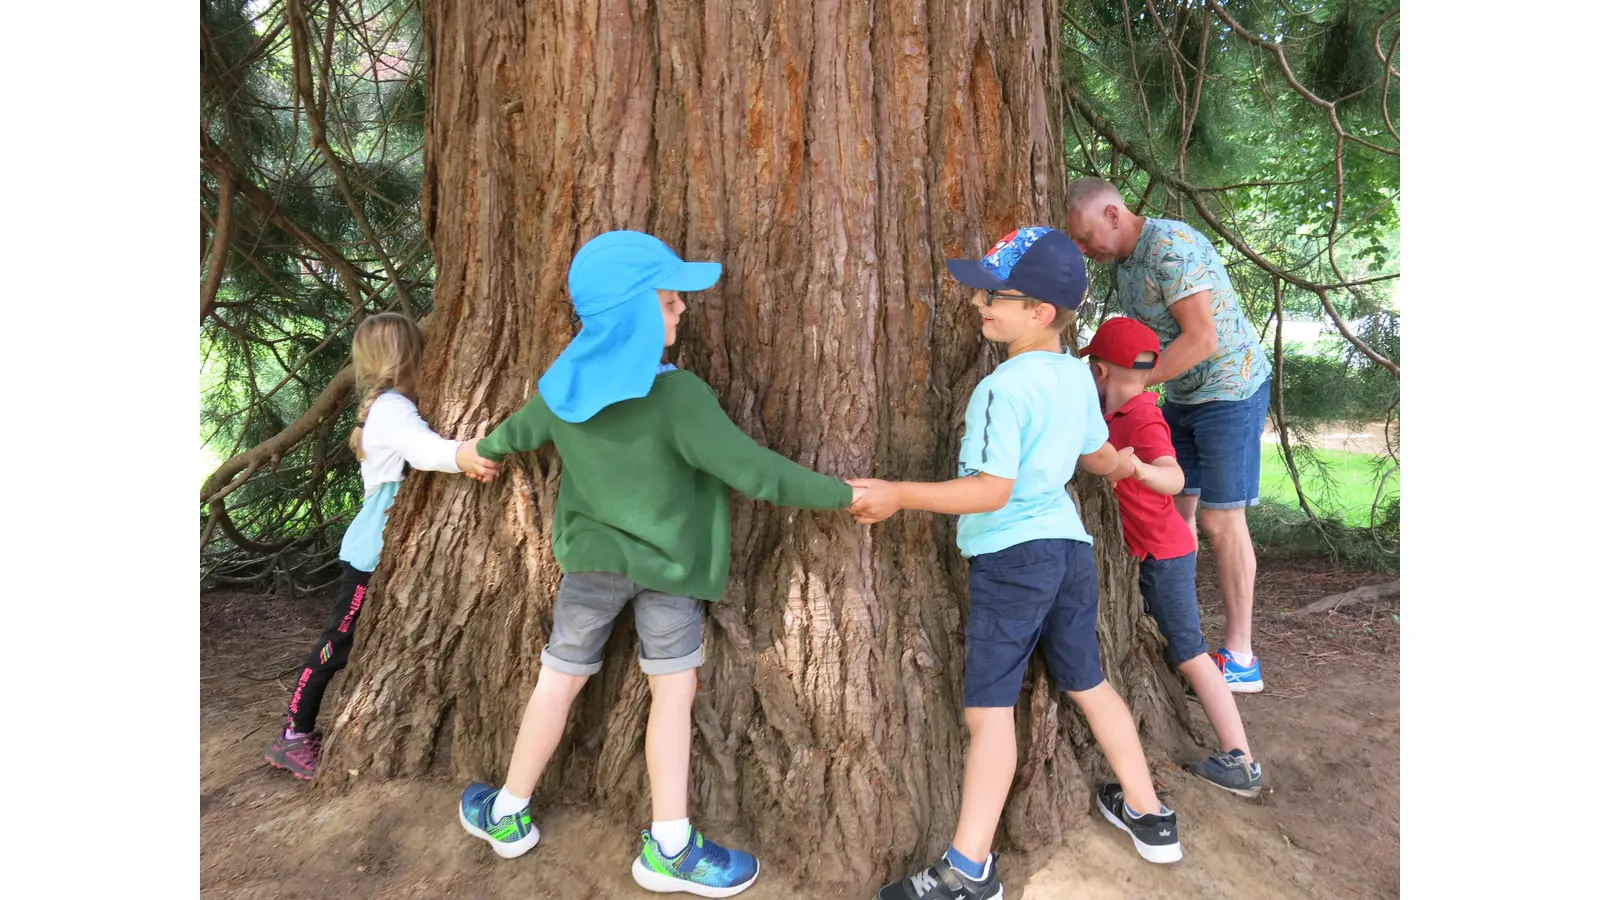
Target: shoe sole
<point x="1245" y="687"/>
<point x="651" y="880"/>
<point x="503" y="849"/>
<point x="1251" y="793"/>
<point x="1163" y="854"/>
<point x="290" y="769"/>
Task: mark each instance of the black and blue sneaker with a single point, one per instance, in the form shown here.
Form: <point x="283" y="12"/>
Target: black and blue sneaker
<point x="942" y="881"/>
<point x="1154" y="835"/>
<point x="509" y="836"/>
<point x="1230" y="772"/>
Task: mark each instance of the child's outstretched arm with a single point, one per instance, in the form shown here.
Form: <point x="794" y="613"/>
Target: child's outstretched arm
<point x="991" y="454"/>
<point x="1162" y="474"/>
<point x="1153" y="442"/>
<point x="1106" y="462"/>
<point x="978" y="493"/>
<point x="403" y="428"/>
<point x="527" y="429"/>
<point x="474" y="465"/>
<point x="709" y="441"/>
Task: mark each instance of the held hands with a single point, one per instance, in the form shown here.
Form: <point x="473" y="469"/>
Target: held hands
<point x="1128" y="466"/>
<point x="874" y="500"/>
<point x="471" y="464"/>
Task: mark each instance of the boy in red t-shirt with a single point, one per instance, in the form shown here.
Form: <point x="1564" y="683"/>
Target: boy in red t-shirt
<point x="1158" y="536"/>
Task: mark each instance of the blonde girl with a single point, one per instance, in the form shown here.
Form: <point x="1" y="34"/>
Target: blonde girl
<point x="389" y="435"/>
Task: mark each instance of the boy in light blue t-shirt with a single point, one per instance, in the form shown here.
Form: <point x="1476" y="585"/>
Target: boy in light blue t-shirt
<point x="1031" y="572"/>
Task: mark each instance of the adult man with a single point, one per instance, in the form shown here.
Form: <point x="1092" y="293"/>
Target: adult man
<point x="1169" y="277"/>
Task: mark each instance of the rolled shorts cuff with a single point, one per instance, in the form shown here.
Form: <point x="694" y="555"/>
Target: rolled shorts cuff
<point x="1240" y="504"/>
<point x="674" y="666"/>
<point x="565" y="667"/>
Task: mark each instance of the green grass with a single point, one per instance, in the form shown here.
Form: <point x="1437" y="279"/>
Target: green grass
<point x="1340" y="484"/>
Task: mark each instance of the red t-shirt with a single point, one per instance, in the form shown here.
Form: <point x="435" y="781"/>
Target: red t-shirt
<point x="1150" y="521"/>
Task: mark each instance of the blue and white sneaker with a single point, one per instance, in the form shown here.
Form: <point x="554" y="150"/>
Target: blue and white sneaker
<point x="1240" y="679"/>
<point x="509" y="836"/>
<point x="702" y="868"/>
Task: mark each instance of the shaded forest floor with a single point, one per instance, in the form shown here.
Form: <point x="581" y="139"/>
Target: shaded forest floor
<point x="1327" y="730"/>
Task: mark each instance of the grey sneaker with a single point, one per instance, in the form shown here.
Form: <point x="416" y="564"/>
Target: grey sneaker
<point x="298" y="755"/>
<point x="1230" y="772"/>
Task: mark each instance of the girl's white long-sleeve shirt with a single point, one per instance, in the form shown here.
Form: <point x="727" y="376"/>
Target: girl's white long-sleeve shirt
<point x="394" y="435"/>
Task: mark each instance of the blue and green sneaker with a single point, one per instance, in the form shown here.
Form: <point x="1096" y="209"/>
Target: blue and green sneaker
<point x="510" y="836"/>
<point x="703" y="868"/>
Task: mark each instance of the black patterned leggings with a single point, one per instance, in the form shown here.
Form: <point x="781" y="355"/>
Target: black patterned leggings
<point x="332" y="651"/>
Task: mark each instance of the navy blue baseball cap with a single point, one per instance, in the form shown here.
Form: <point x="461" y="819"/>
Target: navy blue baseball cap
<point x="1040" y="262"/>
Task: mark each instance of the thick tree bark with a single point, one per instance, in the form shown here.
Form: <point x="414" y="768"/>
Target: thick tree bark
<point x="831" y="155"/>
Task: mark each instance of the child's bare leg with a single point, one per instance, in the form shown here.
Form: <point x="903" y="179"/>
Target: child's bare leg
<point x="991" y="762"/>
<point x="543" y="723"/>
<point x="1118" y="738"/>
<point x="666" y="743"/>
<point x="1218" y="702"/>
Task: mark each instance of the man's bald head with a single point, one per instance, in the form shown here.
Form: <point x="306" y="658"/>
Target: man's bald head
<point x="1099" y="221"/>
<point x="1092" y="192"/>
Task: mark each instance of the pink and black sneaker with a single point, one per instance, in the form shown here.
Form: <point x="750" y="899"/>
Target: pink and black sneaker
<point x="297" y="755"/>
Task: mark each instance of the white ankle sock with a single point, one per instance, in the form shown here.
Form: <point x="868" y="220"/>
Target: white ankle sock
<point x="1137" y="815"/>
<point x="505" y="804"/>
<point x="672" y="836"/>
<point x="1242" y="657"/>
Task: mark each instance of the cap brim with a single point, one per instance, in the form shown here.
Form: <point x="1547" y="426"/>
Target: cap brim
<point x="692" y="276"/>
<point x="971" y="273"/>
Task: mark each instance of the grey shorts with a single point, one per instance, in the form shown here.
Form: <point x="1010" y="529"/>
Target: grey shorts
<point x="589" y="602"/>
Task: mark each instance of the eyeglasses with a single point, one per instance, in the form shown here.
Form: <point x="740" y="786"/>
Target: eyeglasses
<point x="990" y="296"/>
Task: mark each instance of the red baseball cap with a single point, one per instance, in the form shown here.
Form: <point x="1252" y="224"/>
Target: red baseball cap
<point x="1120" y="341"/>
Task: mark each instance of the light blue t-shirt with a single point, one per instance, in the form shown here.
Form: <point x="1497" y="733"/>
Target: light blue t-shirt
<point x="1171" y="262"/>
<point x="363" y="540"/>
<point x="1030" y="420"/>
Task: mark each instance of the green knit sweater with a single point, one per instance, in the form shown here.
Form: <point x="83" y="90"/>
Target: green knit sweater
<point x="644" y="484"/>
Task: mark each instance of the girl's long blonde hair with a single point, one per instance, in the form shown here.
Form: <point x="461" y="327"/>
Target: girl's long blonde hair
<point x="387" y="352"/>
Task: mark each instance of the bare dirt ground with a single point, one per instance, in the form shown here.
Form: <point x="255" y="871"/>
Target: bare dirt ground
<point x="1327" y="730"/>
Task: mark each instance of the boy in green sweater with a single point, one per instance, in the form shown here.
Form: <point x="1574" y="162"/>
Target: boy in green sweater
<point x="642" y="514"/>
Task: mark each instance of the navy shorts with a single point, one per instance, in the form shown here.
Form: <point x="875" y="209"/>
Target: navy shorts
<point x="1169" y="597"/>
<point x="1218" y="445"/>
<point x="1037" y="593"/>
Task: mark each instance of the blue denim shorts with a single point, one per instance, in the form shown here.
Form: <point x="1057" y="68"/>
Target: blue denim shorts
<point x="1219" y="447"/>
<point x="1037" y="593"/>
<point x="1169" y="597"/>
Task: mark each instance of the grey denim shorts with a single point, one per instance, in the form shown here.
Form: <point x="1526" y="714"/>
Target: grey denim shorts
<point x="588" y="603"/>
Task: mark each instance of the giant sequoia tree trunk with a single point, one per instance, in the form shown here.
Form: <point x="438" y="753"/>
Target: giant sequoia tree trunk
<point x="830" y="154"/>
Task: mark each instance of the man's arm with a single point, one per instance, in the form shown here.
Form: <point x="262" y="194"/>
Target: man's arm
<point x="1197" y="339"/>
